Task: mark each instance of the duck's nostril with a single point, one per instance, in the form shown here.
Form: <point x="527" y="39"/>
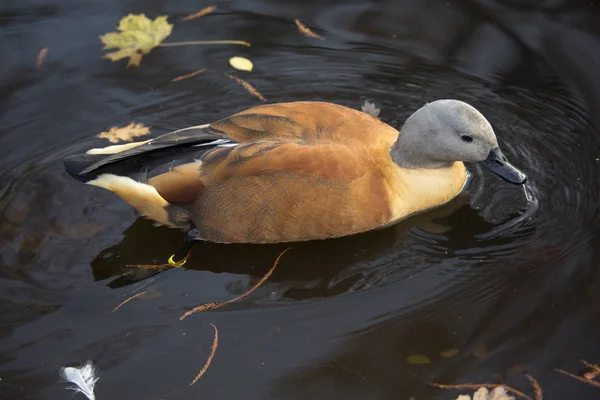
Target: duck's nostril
<point x="498" y="162"/>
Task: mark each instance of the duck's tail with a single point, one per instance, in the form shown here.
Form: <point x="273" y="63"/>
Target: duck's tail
<point x="144" y="157"/>
<point x="125" y="169"/>
<point x="141" y="196"/>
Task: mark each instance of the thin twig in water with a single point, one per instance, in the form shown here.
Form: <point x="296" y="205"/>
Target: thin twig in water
<point x="41" y="57"/>
<point x="251" y="89"/>
<point x="182" y="77"/>
<point x="213" y="306"/>
<point x="127" y="300"/>
<point x="579" y="378"/>
<point x="474" y="386"/>
<point x="537" y="389"/>
<point x="150" y="266"/>
<point x="307" y="32"/>
<point x="202" y="42"/>
<point x="213" y="349"/>
<point x="201" y="13"/>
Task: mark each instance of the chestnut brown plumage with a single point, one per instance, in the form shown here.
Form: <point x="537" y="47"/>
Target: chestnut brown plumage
<point x="301" y="171"/>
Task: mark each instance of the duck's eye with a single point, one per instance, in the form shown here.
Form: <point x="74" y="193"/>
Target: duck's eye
<point x="466" y="138"/>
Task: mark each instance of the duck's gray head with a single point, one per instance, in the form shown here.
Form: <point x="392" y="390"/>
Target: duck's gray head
<point x="445" y="131"/>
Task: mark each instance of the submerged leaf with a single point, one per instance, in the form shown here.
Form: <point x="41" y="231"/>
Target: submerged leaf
<point x="418" y="359"/>
<point x="449" y="353"/>
<point x="241" y="63"/>
<point x="480" y="351"/>
<point x="125" y="133"/>
<point x="138" y="35"/>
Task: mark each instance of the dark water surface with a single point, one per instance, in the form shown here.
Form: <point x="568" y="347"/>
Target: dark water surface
<point x="337" y="319"/>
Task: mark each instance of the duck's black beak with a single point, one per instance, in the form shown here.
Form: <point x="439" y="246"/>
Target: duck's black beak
<point x="499" y="165"/>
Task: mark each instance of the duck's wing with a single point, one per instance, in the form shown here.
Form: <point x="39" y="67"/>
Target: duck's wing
<point x="175" y="145"/>
<point x="309" y="121"/>
<point x="314" y="139"/>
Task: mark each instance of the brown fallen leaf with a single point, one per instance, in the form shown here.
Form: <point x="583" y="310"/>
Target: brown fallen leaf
<point x="182" y="77"/>
<point x="213" y="349"/>
<point x="201" y="13"/>
<point x="125" y="133"/>
<point x="251" y="89"/>
<point x="213" y="306"/>
<point x="127" y="300"/>
<point x="307" y="32"/>
<point x="41" y="57"/>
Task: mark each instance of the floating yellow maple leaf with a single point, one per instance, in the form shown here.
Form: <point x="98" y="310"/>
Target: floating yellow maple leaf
<point x="125" y="133"/>
<point x="138" y="35"/>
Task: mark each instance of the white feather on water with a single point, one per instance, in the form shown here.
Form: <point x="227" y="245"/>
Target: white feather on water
<point x="84" y="378"/>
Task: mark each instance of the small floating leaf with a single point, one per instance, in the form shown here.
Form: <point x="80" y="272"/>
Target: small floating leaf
<point x="138" y="35"/>
<point x="418" y="359"/>
<point x="201" y="13"/>
<point x="369" y="108"/>
<point x="125" y="133"/>
<point x="241" y="63"/>
<point x="449" y="353"/>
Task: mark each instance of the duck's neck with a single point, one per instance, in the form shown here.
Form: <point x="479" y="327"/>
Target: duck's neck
<point x="407" y="153"/>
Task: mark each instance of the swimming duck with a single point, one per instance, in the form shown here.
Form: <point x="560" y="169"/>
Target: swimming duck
<point x="298" y="171"/>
